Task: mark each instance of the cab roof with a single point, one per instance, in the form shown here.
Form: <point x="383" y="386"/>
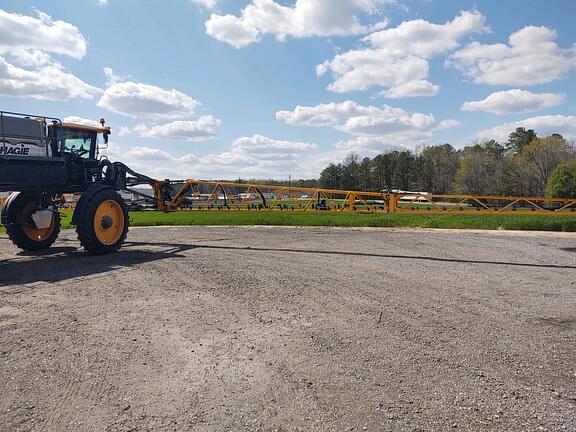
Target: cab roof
<point x="83" y="127"/>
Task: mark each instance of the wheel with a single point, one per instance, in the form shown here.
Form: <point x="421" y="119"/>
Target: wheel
<point x="103" y="224"/>
<point x="21" y="228"/>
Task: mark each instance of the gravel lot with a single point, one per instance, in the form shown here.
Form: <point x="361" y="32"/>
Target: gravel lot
<point x="291" y="329"/>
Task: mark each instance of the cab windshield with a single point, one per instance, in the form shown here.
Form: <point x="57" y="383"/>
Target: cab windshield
<point x="78" y="142"/>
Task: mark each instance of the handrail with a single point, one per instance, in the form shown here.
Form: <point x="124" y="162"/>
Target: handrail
<point x="44" y="139"/>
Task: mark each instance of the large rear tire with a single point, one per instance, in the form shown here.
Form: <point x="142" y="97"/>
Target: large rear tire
<point x="103" y="224"/>
<point x="21" y="228"/>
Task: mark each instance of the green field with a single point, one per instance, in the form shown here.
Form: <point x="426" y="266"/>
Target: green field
<point x="295" y="218"/>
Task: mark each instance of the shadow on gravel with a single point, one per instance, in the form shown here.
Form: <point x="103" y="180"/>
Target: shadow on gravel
<point x="63" y="263"/>
<point x="365" y="254"/>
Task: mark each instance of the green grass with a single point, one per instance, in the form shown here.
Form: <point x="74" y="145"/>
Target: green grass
<point x="512" y="222"/>
<point x="295" y="218"/>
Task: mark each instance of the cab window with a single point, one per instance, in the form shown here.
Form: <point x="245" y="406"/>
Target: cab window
<point x="78" y="142"/>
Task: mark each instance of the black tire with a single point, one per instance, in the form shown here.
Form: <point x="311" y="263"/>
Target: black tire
<point x="21" y="229"/>
<point x="93" y="237"/>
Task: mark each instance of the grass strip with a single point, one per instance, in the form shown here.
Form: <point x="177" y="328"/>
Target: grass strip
<point x="295" y="218"/>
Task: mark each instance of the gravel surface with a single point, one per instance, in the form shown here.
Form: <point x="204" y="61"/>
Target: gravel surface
<point x="291" y="329"/>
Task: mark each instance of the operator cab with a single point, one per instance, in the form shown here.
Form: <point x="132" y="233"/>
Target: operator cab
<point x="76" y="140"/>
<point x="28" y="137"/>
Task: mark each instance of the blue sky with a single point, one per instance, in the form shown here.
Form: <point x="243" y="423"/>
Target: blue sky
<point x="270" y="88"/>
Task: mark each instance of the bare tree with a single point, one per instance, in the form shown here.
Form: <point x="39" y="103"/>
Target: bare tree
<point x="538" y="159"/>
<point x="440" y="167"/>
<point x="482" y="169"/>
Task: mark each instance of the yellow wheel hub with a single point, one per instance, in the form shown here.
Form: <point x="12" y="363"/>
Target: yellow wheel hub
<point x="30" y="229"/>
<point x="109" y="222"/>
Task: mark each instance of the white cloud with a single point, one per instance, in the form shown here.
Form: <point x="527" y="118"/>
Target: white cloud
<point x="362" y="69"/>
<point x="230" y="29"/>
<point x="111" y="77"/>
<point x="259" y="145"/>
<point x="369" y="145"/>
<point x="424" y="39"/>
<point x="81" y="121"/>
<point x="411" y="89"/>
<point x="102" y="2"/>
<point x="145" y="101"/>
<point x="542" y="125"/>
<point x="21" y="32"/>
<point x="202" y="129"/>
<point x="532" y="56"/>
<point x="50" y="82"/>
<point x="388" y="123"/>
<point x="135" y="99"/>
<point x="447" y="124"/>
<point x="26" y="66"/>
<point x="31" y="58"/>
<point x="331" y="114"/>
<point x="248" y="157"/>
<point x="147" y="153"/>
<point x="392" y="121"/>
<point x="397" y="58"/>
<point x="208" y="4"/>
<point x="514" y="101"/>
<point x="124" y="130"/>
<point x="304" y="19"/>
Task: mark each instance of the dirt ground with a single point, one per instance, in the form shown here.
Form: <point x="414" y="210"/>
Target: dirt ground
<point x="291" y="329"/>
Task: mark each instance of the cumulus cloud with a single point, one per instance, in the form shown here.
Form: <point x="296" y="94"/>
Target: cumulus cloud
<point x="259" y="144"/>
<point x="147" y="153"/>
<point x="362" y="69"/>
<point x="514" y="101"/>
<point x="27" y="68"/>
<point x="31" y="58"/>
<point x="392" y="122"/>
<point x="146" y="101"/>
<point x="331" y="114"/>
<point x="136" y="99"/>
<point x="389" y="123"/>
<point x="304" y="19"/>
<point x="230" y="29"/>
<point x="202" y="129"/>
<point x="124" y="130"/>
<point x="50" y="82"/>
<point x="397" y="58"/>
<point x="411" y="89"/>
<point x="368" y="146"/>
<point x="111" y="77"/>
<point x="248" y="156"/>
<point x="531" y="57"/>
<point x="21" y="32"/>
<point x="542" y="125"/>
<point x="425" y="39"/>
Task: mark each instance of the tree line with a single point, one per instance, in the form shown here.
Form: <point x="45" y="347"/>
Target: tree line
<point x="524" y="165"/>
